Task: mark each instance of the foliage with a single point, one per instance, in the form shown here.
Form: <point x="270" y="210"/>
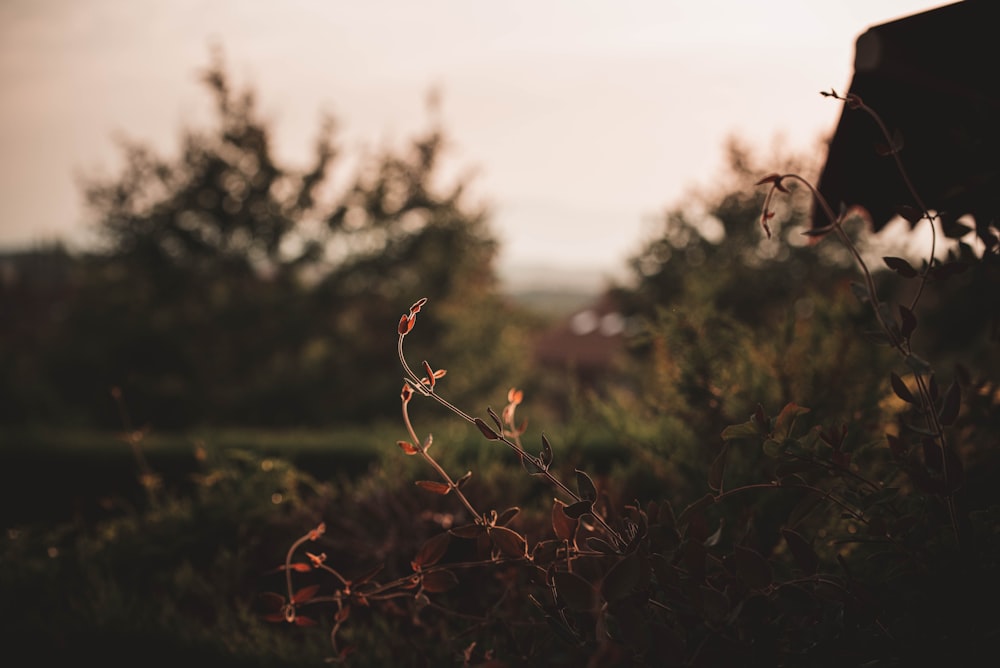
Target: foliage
<point x="846" y="536"/>
<point x="232" y="288"/>
<point x="168" y="578"/>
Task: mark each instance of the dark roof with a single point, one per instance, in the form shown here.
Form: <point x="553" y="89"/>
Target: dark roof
<point x="588" y="340"/>
<point x="934" y="78"/>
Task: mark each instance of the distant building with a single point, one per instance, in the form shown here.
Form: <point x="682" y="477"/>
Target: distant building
<point x="586" y="343"/>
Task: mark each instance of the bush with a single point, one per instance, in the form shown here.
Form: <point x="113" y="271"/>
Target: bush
<point x="850" y="535"/>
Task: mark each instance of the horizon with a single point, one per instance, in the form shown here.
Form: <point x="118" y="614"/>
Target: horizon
<point x="581" y="123"/>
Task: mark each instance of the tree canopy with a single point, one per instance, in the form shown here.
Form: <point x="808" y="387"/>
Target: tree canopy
<point x="230" y="287"/>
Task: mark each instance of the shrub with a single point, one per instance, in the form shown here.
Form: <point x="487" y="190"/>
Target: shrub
<point x="815" y="540"/>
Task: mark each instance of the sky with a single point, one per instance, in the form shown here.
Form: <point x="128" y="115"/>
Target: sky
<point x="579" y="121"/>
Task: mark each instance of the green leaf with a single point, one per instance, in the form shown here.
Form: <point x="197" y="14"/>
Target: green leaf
<point x="911" y="214"/>
<point x="881" y="496"/>
<point x="752" y="568"/>
<point x="622" y="578"/>
<point x="951" y="405"/>
<point x="714" y="604"/>
<point x="665" y="515"/>
<point x="578" y="594"/>
<point x="468" y="531"/>
<point x="546" y="455"/>
<point x="486" y="430"/>
<point x="900" y="388"/>
<point x="805" y="556"/>
<point x="804" y="507"/>
<point x="860" y="291"/>
<point x="545" y="552"/>
<point x="716" y="471"/>
<point x="600" y="545"/>
<point x="578" y="509"/>
<point x="786" y="420"/>
<point x="773" y="448"/>
<point x="943" y="272"/>
<point x="908" y="321"/>
<point x="900" y="266"/>
<point x="785" y="469"/>
<point x="745" y="430"/>
<point x="496" y="419"/>
<point x="633" y="628"/>
<point x="713" y="540"/>
<point x="917" y="364"/>
<point x="700" y="504"/>
<point x="585" y="486"/>
<point x="530" y="466"/>
<point x="953" y="229"/>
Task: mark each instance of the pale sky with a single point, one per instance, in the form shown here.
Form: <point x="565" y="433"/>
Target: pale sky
<point x="582" y="120"/>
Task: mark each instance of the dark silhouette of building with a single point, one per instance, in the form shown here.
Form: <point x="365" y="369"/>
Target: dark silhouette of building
<point x="586" y="343"/>
<point x="934" y="79"/>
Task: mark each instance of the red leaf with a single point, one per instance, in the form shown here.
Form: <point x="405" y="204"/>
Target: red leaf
<point x="431" y="551"/>
<point x="468" y="531"/>
<point x="272" y="602"/>
<point x="305" y="594"/>
<point x="439" y="581"/>
<point x="430" y="374"/>
<point x="407" y="447"/>
<point x="509" y="542"/>
<point x="433" y="487"/>
<point x="486" y="430"/>
<point x="506" y="516"/>
<point x="563" y="525"/>
<point x="405" y="324"/>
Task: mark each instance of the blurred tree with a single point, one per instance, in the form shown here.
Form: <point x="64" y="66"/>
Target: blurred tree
<point x="230" y="288"/>
<point x="729" y="318"/>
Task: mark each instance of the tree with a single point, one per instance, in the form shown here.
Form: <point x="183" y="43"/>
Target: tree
<point x="732" y="316"/>
<point x="231" y="288"/>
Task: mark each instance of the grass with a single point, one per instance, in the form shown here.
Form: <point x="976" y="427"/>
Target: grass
<point x="53" y="475"/>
